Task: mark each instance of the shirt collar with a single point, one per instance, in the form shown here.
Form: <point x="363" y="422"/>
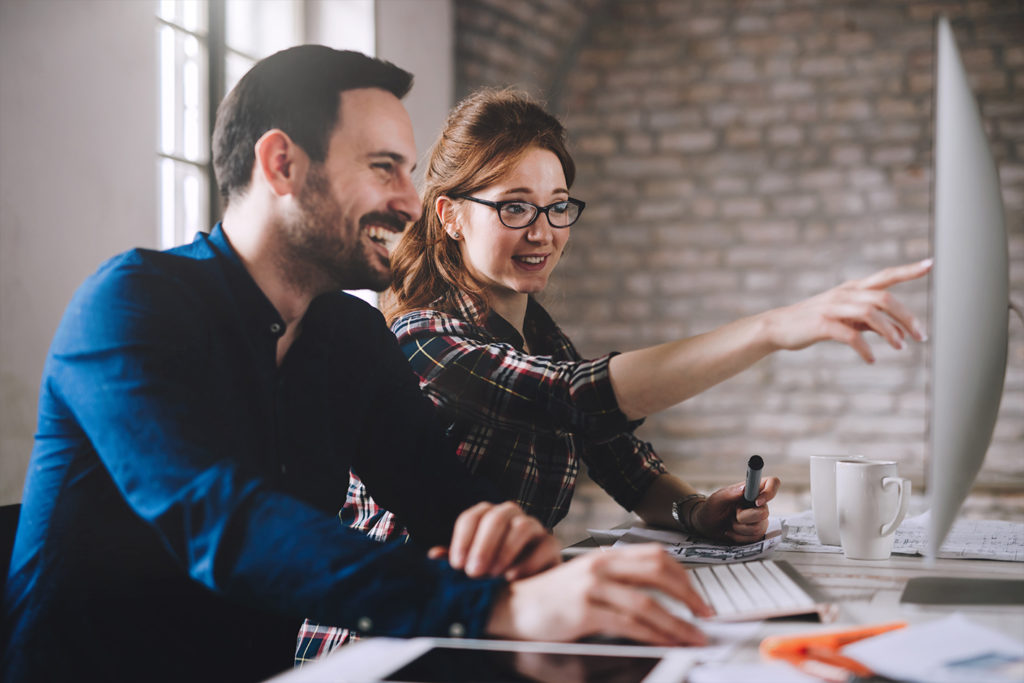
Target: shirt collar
<point x="260" y="315"/>
<point x="544" y="335"/>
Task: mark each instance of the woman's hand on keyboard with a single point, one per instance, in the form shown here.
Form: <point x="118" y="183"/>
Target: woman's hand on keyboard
<point x="601" y="594"/>
<point x="723" y="515"/>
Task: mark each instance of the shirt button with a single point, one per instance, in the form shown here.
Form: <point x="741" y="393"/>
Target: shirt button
<point x="457" y="630"/>
<point x="364" y="624"/>
<point x="275" y="328"/>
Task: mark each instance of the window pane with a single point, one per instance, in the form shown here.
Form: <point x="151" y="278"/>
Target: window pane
<point x="168" y="204"/>
<point x="261" y="27"/>
<point x="345" y="25"/>
<point x="184" y="131"/>
<point x="184" y="202"/>
<point x="188" y="14"/>
<point x="168" y="90"/>
<point x="235" y="66"/>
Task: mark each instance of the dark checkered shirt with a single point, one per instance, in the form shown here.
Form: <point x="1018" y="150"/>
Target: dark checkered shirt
<point x="522" y="420"/>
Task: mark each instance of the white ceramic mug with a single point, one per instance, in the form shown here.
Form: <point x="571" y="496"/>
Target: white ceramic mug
<point x="823" y="496"/>
<point x="871" y="501"/>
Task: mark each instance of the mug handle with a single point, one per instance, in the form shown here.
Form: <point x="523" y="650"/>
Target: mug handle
<point x="904" y="487"/>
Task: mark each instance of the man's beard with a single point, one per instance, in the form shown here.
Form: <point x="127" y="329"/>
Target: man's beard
<point x="324" y="254"/>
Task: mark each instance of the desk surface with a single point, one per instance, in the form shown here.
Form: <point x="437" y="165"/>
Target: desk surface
<point x="868" y="592"/>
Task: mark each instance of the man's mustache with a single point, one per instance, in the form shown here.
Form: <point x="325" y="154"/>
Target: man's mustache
<point x="393" y="220"/>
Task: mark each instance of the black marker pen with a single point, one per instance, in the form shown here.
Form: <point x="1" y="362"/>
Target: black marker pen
<point x="753" y="485"/>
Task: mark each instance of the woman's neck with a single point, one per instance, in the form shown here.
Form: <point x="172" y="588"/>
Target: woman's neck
<point x="512" y="308"/>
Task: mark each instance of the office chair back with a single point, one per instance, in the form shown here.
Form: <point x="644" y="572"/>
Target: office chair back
<point x="8" y="526"/>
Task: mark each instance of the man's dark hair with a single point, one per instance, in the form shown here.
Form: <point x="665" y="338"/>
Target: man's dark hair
<point x="296" y="90"/>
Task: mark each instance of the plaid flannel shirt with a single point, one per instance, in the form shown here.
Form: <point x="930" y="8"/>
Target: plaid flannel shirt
<point x="522" y="420"/>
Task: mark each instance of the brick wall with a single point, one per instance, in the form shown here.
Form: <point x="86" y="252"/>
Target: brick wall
<point x="740" y="155"/>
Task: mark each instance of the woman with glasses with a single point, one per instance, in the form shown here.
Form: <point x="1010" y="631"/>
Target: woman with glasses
<point x="522" y="404"/>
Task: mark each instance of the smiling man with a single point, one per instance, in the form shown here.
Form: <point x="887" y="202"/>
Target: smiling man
<point x="201" y="407"/>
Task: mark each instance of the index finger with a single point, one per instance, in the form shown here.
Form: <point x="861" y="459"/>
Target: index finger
<point x="490" y="535"/>
<point x="894" y="275"/>
<point x="463" y="533"/>
<point x="769" y="488"/>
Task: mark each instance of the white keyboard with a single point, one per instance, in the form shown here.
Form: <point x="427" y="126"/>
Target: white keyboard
<point x="761" y="589"/>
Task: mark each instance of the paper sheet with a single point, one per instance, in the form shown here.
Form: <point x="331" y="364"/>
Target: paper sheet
<point x="690" y="548"/>
<point x="968" y="539"/>
<point x="949" y="650"/>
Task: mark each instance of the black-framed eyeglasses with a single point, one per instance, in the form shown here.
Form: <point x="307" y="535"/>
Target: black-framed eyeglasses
<point x="518" y="214"/>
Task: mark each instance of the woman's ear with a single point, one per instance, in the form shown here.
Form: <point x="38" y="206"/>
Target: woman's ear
<point x="444" y="207"/>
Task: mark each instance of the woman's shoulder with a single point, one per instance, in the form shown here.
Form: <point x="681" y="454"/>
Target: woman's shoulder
<point x="432" y="322"/>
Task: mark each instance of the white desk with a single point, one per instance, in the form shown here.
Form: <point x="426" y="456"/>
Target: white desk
<point x="868" y="593"/>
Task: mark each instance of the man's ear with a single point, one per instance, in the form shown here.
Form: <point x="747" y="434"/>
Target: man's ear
<point x="280" y="163"/>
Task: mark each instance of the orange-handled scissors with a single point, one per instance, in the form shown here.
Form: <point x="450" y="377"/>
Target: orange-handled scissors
<point x="817" y="653"/>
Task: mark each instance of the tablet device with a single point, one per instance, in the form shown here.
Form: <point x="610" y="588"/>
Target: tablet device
<point x="453" y="660"/>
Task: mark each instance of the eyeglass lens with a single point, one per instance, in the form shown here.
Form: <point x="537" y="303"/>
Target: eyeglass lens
<point x="521" y="214"/>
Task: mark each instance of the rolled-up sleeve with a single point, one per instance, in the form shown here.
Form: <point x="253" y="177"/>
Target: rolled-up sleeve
<point x="624" y="466"/>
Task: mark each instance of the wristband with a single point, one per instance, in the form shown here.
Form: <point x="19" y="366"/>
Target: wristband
<point x="683" y="509"/>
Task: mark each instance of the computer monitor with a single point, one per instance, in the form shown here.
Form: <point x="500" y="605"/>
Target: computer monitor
<point x="970" y="294"/>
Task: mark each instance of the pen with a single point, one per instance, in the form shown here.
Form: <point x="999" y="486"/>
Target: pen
<point x="818" y="653"/>
<point x="753" y="485"/>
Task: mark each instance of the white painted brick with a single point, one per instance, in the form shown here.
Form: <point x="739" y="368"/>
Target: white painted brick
<point x="785" y="135"/>
<point x="746" y="207"/>
<point x="789" y="425"/>
<point x="644" y="167"/>
<point x="687" y="141"/>
<point x="847" y="155"/>
<point x="697" y="281"/>
<point x="866" y="177"/>
<point x="849" y="110"/>
<point x="771" y="183"/>
<point x="743" y="137"/>
<point x="843" y="203"/>
<point x="730" y="185"/>
<point x="668" y="187"/>
<point x="821" y="179"/>
<point x="880" y="426"/>
<point x="867" y="403"/>
<point x="791" y="90"/>
<point x="770" y="231"/>
<point x="722" y="114"/>
<point x="795" y="205"/>
<point x="891" y="156"/>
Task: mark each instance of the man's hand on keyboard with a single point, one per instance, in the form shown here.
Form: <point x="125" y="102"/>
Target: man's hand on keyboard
<point x="723" y="516"/>
<point x="601" y="594"/>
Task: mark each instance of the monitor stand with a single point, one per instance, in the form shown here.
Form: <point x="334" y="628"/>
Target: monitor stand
<point x="944" y="590"/>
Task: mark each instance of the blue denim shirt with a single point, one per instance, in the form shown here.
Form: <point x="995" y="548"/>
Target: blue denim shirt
<point x="179" y="516"/>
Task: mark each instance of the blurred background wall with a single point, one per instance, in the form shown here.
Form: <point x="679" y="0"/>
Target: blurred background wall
<point x="738" y="155"/>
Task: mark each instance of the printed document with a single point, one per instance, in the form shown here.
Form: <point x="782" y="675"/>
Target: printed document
<point x="975" y="539"/>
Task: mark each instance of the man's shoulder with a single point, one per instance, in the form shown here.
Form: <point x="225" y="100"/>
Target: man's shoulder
<point x="164" y="287"/>
<point x="179" y="264"/>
